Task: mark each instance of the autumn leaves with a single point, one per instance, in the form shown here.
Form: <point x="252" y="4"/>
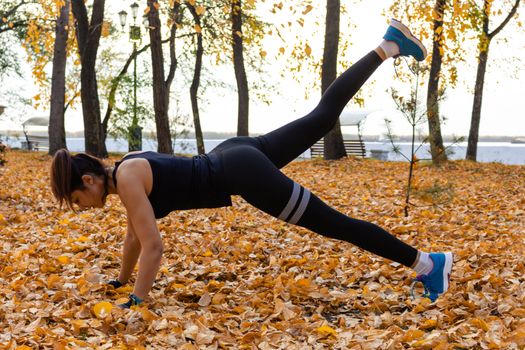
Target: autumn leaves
<point x="235" y="277"/>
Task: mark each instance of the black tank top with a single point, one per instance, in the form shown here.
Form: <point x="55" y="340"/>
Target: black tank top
<point x="183" y="182"/>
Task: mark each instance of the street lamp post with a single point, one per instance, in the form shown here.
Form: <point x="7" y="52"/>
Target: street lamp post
<point x="135" y="131"/>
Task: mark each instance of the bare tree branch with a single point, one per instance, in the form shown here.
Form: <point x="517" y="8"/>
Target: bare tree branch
<point x="13" y="10"/>
<point x="116" y="81"/>
<point x="173" y="57"/>
<point x="504" y="23"/>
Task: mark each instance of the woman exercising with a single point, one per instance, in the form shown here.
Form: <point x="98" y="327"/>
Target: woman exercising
<point x="151" y="185"/>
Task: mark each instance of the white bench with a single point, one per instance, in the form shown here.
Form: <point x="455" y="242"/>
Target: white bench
<point x="36" y="134"/>
<point x="354" y="147"/>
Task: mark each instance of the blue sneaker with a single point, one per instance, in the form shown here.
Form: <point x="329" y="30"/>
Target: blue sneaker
<point x="437" y="281"/>
<point x="408" y="44"/>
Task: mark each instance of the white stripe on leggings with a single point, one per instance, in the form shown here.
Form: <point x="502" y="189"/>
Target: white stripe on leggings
<point x="302" y="207"/>
<point x="291" y="203"/>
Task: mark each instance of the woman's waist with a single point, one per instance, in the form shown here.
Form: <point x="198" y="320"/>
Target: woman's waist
<point x="191" y="178"/>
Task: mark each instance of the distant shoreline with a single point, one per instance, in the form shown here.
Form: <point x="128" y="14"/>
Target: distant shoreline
<point x="210" y="135"/>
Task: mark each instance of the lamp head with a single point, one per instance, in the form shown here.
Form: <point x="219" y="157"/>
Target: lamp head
<point x="123" y="15"/>
<point x="134" y="10"/>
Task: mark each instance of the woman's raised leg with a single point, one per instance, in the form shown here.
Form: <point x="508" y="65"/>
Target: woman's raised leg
<point x="286" y="143"/>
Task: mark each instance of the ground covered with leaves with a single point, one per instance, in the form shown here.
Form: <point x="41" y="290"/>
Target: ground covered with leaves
<point x="237" y="278"/>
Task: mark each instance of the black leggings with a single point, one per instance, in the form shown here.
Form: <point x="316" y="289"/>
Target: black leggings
<point x="251" y="170"/>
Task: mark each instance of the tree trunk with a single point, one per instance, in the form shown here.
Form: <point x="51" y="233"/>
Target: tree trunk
<point x="194" y="89"/>
<point x="333" y="141"/>
<point x="88" y="37"/>
<point x="484" y="44"/>
<point x="434" y="125"/>
<point x="240" y="72"/>
<point x="476" y="108"/>
<point x="160" y="93"/>
<point x="57" y="131"/>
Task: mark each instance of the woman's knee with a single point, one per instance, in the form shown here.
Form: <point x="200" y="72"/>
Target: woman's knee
<point x="326" y="117"/>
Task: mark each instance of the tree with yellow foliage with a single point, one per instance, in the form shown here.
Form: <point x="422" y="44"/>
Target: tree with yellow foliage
<point x="47" y="41"/>
<point x="443" y="23"/>
<point x="229" y="31"/>
<point x="14" y="17"/>
<point x="482" y="19"/>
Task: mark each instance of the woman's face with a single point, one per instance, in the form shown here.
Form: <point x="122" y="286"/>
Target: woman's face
<point x="92" y="196"/>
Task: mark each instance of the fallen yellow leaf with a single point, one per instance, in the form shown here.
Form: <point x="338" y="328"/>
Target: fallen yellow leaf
<point x="326" y="330"/>
<point x="428" y="324"/>
<point x="480" y="324"/>
<point x="63" y="259"/>
<point x="412" y="334"/>
<point x="102" y="309"/>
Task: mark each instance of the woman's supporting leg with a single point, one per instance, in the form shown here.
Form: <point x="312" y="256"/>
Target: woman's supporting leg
<point x="288" y="142"/>
<point x="321" y="218"/>
<point x="253" y="176"/>
<point x="249" y="173"/>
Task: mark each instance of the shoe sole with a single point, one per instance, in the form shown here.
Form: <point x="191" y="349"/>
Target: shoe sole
<point x="447" y="270"/>
<point x="404" y="29"/>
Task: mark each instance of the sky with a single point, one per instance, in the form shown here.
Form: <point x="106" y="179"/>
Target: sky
<point x="503" y="112"/>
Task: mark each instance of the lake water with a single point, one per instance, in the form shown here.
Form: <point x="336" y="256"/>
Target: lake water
<point x="502" y="152"/>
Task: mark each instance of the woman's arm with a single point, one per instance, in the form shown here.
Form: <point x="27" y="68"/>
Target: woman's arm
<point x="130" y="254"/>
<point x="132" y="192"/>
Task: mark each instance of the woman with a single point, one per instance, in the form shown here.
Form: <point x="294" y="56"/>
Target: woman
<point x="151" y="185"/>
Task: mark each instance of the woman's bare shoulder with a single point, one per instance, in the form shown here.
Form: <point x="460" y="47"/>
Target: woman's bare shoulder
<point x="133" y="163"/>
<point x="133" y="152"/>
<point x="136" y="170"/>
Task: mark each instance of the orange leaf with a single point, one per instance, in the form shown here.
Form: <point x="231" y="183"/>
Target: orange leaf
<point x="480" y="324"/>
<point x="307" y="9"/>
<point x="412" y="334"/>
<point x="200" y="10"/>
<point x="308" y="50"/>
<point x="79" y="325"/>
